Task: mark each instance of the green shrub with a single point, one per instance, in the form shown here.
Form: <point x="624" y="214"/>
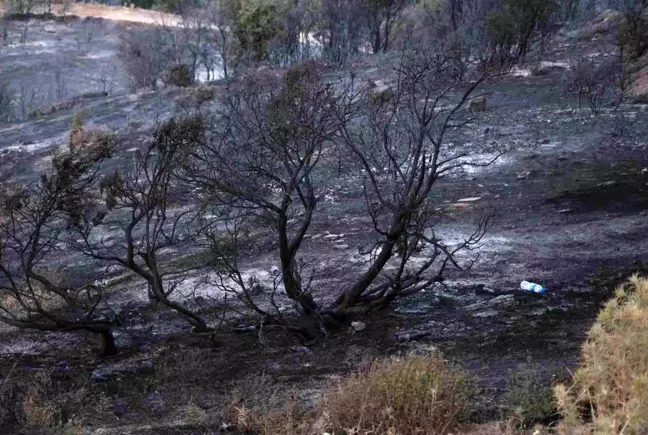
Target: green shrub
<point x="180" y="75"/>
<point x="257" y="25"/>
<point x="529" y="398"/>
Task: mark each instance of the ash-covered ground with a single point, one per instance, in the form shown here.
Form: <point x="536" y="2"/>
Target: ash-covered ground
<point x="569" y="200"/>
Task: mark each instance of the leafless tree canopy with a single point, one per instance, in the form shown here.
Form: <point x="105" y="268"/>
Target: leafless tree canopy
<point x="400" y="151"/>
<point x="266" y="159"/>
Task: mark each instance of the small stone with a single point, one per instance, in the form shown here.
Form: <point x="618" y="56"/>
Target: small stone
<point x="477" y="104"/>
<point x="341" y="247"/>
<point x="644" y="171"/>
<point x="523" y="175"/>
<point x="61" y="370"/>
<point x="422" y="349"/>
<point x="489" y="308"/>
<point x="101" y="374"/>
<point x="406" y="336"/>
<point x="275" y="271"/>
<point x="358" y="326"/>
<point x="124" y="340"/>
<point x="331" y="237"/>
<point x="471" y="199"/>
<point x="301" y="350"/>
<point x="147" y="366"/>
<point x="565" y="211"/>
<point x="545" y="141"/>
<point x="482" y="289"/>
<point x="205" y="403"/>
<point x="155" y="403"/>
<point x="119" y="408"/>
<point x="607" y="184"/>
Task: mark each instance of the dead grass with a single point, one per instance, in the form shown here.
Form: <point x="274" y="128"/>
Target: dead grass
<point x="44" y="406"/>
<point x="415" y="395"/>
<point x="115" y="13"/>
<point x="119" y="13"/>
<point x="609" y="394"/>
<point x="409" y="396"/>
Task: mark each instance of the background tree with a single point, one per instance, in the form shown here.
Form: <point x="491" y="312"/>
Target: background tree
<point x="340" y="28"/>
<point x="517" y="24"/>
<point x="220" y="15"/>
<point x="633" y="34"/>
<point x="143" y="52"/>
<point x="381" y="16"/>
<point x="257" y="25"/>
<point x="33" y="220"/>
<point x="6" y="103"/>
<point x="597" y="82"/>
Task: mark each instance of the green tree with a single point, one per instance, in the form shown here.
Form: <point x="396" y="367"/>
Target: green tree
<point x="381" y="17"/>
<point x="257" y="24"/>
<point x="518" y="24"/>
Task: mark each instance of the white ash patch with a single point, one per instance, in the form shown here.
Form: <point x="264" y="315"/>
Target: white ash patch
<point x="33" y="147"/>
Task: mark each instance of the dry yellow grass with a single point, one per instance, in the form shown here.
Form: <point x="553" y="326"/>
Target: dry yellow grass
<point x="415" y="395"/>
<point x="116" y="13"/>
<point x="119" y="13"/>
<point x="611" y="386"/>
<point x="409" y="396"/>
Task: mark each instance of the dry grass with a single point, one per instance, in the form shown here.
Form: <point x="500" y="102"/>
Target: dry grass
<point x="115" y="13"/>
<point x="410" y="396"/>
<point x="259" y="405"/>
<point x="119" y="13"/>
<point x="415" y="395"/>
<point x="609" y="394"/>
<point x="45" y="406"/>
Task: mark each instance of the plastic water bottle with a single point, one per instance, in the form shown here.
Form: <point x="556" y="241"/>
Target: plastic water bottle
<point x="532" y="287"/>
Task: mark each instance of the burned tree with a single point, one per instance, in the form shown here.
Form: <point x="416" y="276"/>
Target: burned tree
<point x="382" y="16"/>
<point x="597" y="82"/>
<point x="399" y="149"/>
<point x="266" y="163"/>
<point x="33" y="222"/>
<point x="145" y="56"/>
<point x="151" y="214"/>
<point x="263" y="159"/>
<point x="219" y="36"/>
